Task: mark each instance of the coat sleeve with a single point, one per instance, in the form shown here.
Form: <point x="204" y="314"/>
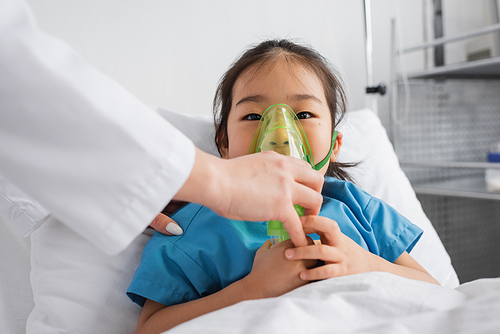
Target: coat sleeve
<point x="98" y="159"/>
<point x="23" y="212"/>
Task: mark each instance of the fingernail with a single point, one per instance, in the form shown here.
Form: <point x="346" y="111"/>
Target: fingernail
<point x="303" y="276"/>
<point x="174" y="229"/>
<point x="289" y="253"/>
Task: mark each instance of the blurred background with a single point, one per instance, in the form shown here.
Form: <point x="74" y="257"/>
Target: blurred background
<point x="172" y="53"/>
<point x="442" y="110"/>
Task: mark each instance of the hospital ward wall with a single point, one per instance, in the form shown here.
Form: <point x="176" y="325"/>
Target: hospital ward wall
<point x="172" y="53"/>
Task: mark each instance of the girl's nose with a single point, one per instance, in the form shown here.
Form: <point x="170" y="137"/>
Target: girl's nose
<point x="278" y="141"/>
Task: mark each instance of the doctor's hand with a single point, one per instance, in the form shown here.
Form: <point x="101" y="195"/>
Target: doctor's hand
<point x="166" y="225"/>
<point x="257" y="187"/>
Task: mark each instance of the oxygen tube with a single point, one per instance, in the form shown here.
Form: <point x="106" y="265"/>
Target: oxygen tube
<point x="280" y="130"/>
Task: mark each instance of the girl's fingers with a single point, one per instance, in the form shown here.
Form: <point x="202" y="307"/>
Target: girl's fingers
<point x="314" y="252"/>
<point x="266" y="245"/>
<point x="328" y="229"/>
<point x="323" y="272"/>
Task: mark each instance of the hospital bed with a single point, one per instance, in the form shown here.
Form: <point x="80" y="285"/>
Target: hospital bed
<point x="81" y="290"/>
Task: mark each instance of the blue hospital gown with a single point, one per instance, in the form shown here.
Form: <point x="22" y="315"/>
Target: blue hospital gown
<point x="215" y="251"/>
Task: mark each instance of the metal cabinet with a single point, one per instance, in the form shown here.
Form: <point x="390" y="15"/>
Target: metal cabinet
<point x="444" y="120"/>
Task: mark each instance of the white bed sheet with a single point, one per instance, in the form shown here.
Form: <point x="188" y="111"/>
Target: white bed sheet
<point x="373" y="302"/>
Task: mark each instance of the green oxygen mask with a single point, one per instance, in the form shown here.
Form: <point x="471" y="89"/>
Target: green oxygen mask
<point x="280" y="130"/>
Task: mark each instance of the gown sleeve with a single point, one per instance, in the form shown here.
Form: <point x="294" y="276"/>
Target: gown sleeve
<point x="394" y="233"/>
<point x="168" y="275"/>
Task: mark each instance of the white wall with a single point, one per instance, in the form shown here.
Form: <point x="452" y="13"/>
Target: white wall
<point x="172" y="53"/>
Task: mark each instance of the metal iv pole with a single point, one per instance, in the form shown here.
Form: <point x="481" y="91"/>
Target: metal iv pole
<point x="370" y="98"/>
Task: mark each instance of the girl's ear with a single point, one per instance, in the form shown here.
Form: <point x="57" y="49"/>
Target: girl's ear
<point x="336" y="148"/>
<point x="223" y="152"/>
<point x="223" y="147"/>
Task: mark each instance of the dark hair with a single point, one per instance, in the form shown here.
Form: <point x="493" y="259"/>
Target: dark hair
<point x="273" y="50"/>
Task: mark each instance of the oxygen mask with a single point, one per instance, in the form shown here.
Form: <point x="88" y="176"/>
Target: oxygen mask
<point x="280" y="130"/>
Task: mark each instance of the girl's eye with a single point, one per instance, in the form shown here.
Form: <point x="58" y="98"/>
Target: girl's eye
<point x="304" y="115"/>
<point x="252" y="117"/>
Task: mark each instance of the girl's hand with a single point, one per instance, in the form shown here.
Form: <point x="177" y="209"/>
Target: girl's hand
<point x="342" y="256"/>
<point x="272" y="274"/>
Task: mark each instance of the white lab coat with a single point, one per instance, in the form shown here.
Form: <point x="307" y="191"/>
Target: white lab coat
<point x="91" y="154"/>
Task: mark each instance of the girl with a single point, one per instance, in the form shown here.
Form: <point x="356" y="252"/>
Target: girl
<point x="218" y="262"/>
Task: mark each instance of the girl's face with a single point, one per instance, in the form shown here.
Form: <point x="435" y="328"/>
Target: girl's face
<point x="288" y="83"/>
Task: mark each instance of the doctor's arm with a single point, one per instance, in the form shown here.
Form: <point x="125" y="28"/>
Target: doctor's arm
<point x="105" y="164"/>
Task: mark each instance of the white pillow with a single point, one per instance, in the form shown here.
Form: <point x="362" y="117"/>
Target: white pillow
<point x="81" y="290"/>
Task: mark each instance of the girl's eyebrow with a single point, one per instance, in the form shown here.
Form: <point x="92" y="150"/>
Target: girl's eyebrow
<point x="302" y="97"/>
<point x="252" y="98"/>
<point x="295" y="97"/>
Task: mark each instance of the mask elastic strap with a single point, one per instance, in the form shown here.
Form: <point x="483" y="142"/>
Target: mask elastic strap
<point x="323" y="162"/>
